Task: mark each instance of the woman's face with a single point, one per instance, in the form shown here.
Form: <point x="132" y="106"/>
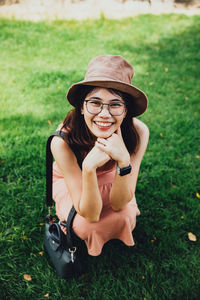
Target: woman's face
<point x="103" y="124"/>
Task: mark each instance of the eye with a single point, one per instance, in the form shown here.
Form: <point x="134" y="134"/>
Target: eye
<point x="116" y="105"/>
<point x="95" y="103"/>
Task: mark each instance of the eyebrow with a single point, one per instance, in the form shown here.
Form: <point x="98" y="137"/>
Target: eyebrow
<point x="112" y="100"/>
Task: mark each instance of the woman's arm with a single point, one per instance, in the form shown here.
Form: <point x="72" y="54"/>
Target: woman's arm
<point x="123" y="187"/>
<point x="82" y="186"/>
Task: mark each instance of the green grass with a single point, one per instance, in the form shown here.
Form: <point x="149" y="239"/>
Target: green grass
<point x="39" y="61"/>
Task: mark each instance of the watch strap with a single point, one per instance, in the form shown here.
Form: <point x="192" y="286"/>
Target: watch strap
<point x="124" y="171"/>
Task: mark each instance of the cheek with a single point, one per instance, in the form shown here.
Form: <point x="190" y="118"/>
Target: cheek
<point x="125" y="113"/>
<point x="119" y="121"/>
<point x="87" y="120"/>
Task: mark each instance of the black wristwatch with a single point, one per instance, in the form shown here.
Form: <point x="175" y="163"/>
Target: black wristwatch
<point x="124" y="171"/>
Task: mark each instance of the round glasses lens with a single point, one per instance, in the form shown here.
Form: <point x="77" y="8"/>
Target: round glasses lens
<point x="93" y="107"/>
<point x="116" y="109"/>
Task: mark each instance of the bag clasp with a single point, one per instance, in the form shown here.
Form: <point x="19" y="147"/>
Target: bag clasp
<point x="72" y="251"/>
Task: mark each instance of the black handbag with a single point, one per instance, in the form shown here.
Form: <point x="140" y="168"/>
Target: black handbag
<point x="63" y="250"/>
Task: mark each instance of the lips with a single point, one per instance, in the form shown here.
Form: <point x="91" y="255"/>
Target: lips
<point x="103" y="124"/>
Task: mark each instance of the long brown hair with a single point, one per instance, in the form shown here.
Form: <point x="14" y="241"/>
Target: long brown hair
<point x="79" y="134"/>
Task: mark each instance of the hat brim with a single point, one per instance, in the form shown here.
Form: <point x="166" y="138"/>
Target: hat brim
<point x="140" y="100"/>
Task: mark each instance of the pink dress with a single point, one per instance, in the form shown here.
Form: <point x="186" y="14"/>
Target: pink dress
<point x="112" y="224"/>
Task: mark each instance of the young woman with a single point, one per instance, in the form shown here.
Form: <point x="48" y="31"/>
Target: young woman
<point x="112" y="142"/>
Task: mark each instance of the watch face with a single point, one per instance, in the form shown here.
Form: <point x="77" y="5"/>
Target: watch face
<point x="124" y="171"/>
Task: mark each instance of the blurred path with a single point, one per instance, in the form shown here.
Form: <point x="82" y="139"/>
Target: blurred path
<point x="36" y="10"/>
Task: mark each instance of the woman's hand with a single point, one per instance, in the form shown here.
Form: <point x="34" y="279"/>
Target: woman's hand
<point x="95" y="158"/>
<point x="114" y="147"/>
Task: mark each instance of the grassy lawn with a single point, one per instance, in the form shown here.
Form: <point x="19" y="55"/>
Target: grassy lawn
<point x="39" y="61"/>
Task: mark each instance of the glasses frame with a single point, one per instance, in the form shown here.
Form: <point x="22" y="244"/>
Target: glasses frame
<point x="102" y="105"/>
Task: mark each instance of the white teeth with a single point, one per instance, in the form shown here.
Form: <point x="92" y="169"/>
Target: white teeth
<point x="103" y="124"/>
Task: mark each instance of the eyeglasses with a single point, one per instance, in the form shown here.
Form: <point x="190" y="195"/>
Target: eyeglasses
<point x="115" y="108"/>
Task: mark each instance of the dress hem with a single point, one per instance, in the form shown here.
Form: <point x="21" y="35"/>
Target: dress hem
<point x="92" y="253"/>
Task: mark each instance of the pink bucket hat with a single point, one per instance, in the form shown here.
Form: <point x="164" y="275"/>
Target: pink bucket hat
<point x="111" y="71"/>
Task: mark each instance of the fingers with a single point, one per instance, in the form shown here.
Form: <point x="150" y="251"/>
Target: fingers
<point x="100" y="145"/>
<point x="102" y="141"/>
<point x="106" y="143"/>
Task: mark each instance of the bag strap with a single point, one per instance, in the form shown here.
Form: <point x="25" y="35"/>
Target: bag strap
<point x="49" y="171"/>
<point x="49" y="166"/>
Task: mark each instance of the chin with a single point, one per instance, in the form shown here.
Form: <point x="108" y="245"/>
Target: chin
<point x="104" y="135"/>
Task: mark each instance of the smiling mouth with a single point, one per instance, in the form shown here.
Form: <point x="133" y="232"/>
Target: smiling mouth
<point x="103" y="124"/>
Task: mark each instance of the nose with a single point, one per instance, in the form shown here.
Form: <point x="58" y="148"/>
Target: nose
<point x="105" y="111"/>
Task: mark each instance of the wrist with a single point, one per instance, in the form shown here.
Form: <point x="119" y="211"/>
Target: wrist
<point x="88" y="167"/>
<point x="124" y="163"/>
